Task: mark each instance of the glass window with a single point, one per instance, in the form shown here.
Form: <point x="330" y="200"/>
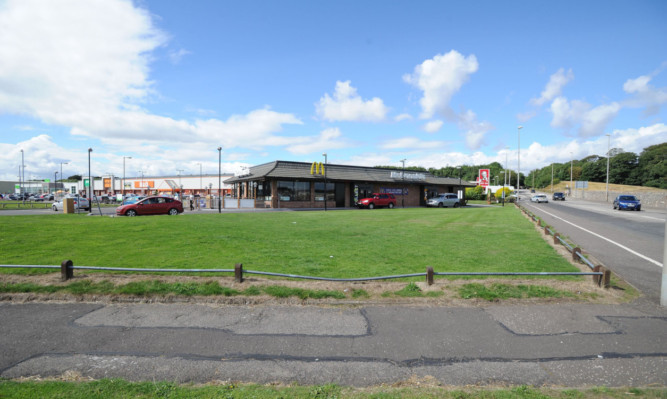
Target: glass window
<point x="320" y="190"/>
<point x="293" y="190"/>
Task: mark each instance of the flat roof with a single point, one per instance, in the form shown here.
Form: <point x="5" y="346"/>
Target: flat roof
<point x="302" y="171"/>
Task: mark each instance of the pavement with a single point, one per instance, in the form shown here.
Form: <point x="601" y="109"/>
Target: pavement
<point x="572" y="345"/>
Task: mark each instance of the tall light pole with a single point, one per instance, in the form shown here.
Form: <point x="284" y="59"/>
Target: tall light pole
<point x="403" y="188"/>
<point x="123" y="188"/>
<point x="22" y="177"/>
<point x="200" y="179"/>
<point x="571" y="160"/>
<point x="90" y="185"/>
<point x="518" y="175"/>
<point x="61" y="173"/>
<point x="219" y="179"/>
<point x="608" y="155"/>
<point x="552" y="178"/>
<point x="179" y="181"/>
<point x="325" y="180"/>
<point x="506" y="180"/>
<point x="55" y="179"/>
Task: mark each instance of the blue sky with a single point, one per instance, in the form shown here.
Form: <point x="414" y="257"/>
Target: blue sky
<point x="439" y="83"/>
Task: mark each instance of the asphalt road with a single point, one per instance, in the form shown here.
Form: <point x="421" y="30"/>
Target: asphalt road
<point x="629" y="243"/>
<point x="560" y="345"/>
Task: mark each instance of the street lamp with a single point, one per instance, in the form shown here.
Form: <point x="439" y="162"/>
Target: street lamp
<point x="200" y="178"/>
<point x="518" y="175"/>
<point x="403" y="177"/>
<point x="608" y="155"/>
<point x="55" y="179"/>
<point x="219" y="179"/>
<point x="325" y="181"/>
<point x="61" y="173"/>
<point x="571" y="160"/>
<point x="90" y="185"/>
<point x="123" y="188"/>
<point x="22" y="177"/>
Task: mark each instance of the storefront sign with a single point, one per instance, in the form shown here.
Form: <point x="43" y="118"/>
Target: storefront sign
<point x="408" y="176"/>
<point x="395" y="191"/>
<point x="483" y="179"/>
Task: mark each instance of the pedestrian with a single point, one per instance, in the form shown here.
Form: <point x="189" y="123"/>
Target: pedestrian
<point x="192" y="203"/>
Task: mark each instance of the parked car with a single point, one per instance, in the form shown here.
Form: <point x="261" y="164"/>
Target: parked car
<point x="151" y="206"/>
<point x="444" y="200"/>
<point x="629" y="202"/>
<point x="558" y="197"/>
<point x="539" y="198"/>
<point x="378" y="201"/>
<point x="79" y="203"/>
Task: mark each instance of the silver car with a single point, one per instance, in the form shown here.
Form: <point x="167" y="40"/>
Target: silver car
<point x="539" y="198"/>
<point x="444" y="200"/>
<point x="79" y="203"/>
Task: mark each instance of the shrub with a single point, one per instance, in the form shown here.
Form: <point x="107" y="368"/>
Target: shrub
<point x="475" y="193"/>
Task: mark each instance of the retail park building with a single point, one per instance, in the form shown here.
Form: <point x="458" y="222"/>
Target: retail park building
<point x="280" y="184"/>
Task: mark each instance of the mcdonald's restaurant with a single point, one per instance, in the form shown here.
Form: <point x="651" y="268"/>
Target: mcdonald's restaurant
<point x="285" y="184"/>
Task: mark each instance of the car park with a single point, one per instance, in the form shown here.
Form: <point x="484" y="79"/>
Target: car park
<point x="79" y="203"/>
<point x="539" y="198"/>
<point x="628" y="202"/>
<point x="151" y="206"/>
<point x="378" y="201"/>
<point x="558" y="196"/>
<point x="444" y="201"/>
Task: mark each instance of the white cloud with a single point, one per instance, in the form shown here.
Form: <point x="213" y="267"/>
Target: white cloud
<point x="645" y="95"/>
<point x="433" y="126"/>
<point x="553" y="87"/>
<point x="411" y="143"/>
<point x="403" y="117"/>
<point x="347" y="105"/>
<point x="328" y="139"/>
<point x="440" y="78"/>
<point x="175" y="56"/>
<point x="475" y="131"/>
<point x="591" y="121"/>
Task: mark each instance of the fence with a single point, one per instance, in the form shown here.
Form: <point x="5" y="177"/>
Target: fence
<point x="602" y="276"/>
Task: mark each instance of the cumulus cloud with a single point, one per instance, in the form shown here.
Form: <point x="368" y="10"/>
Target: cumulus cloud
<point x="328" y="139"/>
<point x="590" y="121"/>
<point x="644" y="95"/>
<point x="439" y="78"/>
<point x="433" y="126"/>
<point x="411" y="143"/>
<point x="347" y="105"/>
<point x="403" y="117"/>
<point x="553" y="87"/>
<point x="475" y="131"/>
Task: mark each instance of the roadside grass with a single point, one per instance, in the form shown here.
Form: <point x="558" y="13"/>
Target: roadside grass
<point x="499" y="291"/>
<point x="117" y="388"/>
<point x="338" y="244"/>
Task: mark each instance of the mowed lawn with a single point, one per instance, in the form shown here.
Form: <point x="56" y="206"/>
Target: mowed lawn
<point x="347" y="243"/>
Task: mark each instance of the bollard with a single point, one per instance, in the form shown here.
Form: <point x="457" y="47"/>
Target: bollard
<point x="606" y="278"/>
<point x="238" y="272"/>
<point x="556" y="240"/>
<point x="429" y="275"/>
<point x="597" y="280"/>
<point x="575" y="251"/>
<point x="66" y="271"/>
<point x="546" y="230"/>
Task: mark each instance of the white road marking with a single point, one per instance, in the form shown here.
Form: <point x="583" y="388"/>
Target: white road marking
<point x="605" y="238"/>
<point x="592" y="208"/>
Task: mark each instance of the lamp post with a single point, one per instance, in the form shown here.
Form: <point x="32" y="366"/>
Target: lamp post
<point x="219" y="179"/>
<point x="552" y="178"/>
<point x="403" y="178"/>
<point x="325" y="181"/>
<point x="90" y="185"/>
<point x="22" y="177"/>
<point x="518" y="175"/>
<point x="571" y="160"/>
<point x="180" y="184"/>
<point x="61" y="173"/>
<point x="200" y="179"/>
<point x="142" y="181"/>
<point x="123" y="188"/>
<point x="55" y="179"/>
<point x="608" y="155"/>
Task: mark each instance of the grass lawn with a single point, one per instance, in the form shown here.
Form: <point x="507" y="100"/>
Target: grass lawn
<point x="348" y="243"/>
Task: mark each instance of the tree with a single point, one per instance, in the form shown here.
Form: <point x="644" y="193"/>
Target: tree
<point x="653" y="166"/>
<point x="623" y="169"/>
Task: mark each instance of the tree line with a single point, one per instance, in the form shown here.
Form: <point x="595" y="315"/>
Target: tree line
<point x="648" y="169"/>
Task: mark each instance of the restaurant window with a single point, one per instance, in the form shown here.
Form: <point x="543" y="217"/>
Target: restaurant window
<point x="320" y="191"/>
<point x="264" y="190"/>
<point x="290" y="190"/>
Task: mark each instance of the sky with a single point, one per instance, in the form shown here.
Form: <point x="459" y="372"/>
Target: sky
<point x="156" y="87"/>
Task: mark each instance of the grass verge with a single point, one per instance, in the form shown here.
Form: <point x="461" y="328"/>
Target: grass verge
<point x="116" y="388"/>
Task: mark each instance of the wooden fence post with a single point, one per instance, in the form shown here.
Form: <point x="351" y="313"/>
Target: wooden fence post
<point x="238" y="272"/>
<point x="66" y="271"/>
<point x="429" y="275"/>
<point x="575" y="251"/>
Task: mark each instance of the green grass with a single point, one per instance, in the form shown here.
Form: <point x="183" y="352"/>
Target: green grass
<point x="116" y="388"/>
<point x="498" y="291"/>
<point x="348" y="243"/>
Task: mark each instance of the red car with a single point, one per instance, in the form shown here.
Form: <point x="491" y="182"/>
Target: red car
<point x="378" y="201"/>
<point x="151" y="206"/>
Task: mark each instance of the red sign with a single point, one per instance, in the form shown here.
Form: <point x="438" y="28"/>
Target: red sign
<point x="483" y="179"/>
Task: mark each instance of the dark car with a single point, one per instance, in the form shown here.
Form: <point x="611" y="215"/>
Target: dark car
<point x="558" y="197"/>
<point x="378" y="201"/>
<point x="629" y="202"/>
<point x="151" y="206"/>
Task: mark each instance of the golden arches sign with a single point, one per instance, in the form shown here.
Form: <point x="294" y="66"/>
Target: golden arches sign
<point x="317" y="168"/>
